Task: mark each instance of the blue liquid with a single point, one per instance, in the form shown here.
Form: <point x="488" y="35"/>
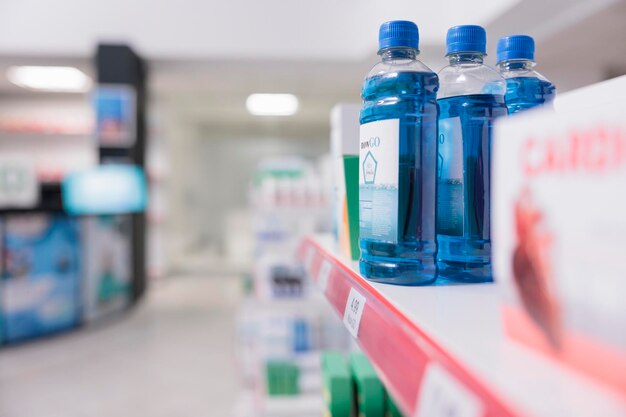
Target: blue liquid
<point x="410" y="97"/>
<point x="526" y="92"/>
<point x="463" y="202"/>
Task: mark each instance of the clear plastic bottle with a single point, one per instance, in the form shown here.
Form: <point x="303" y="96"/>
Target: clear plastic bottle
<point x="398" y="158"/>
<point x="525" y="87"/>
<point x="471" y="96"/>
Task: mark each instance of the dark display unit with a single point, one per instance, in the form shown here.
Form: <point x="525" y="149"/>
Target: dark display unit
<point x="121" y="75"/>
<point x="119" y="68"/>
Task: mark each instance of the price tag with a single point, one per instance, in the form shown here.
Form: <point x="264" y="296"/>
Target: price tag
<point x="324" y="274"/>
<point x="18" y="182"/>
<point x="441" y="395"/>
<point x="354" y="310"/>
<point x="308" y="258"/>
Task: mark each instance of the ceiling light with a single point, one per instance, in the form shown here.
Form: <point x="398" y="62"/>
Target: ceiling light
<point x="57" y="79"/>
<point x="272" y="104"/>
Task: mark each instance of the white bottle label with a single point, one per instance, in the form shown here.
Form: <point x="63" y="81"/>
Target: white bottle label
<point x="354" y="310"/>
<point x="378" y="180"/>
<point x="441" y="395"/>
<point x="324" y="274"/>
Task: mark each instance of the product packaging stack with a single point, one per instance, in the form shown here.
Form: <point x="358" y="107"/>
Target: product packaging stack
<point x="559" y="225"/>
<point x="344" y="149"/>
<point x="283" y="324"/>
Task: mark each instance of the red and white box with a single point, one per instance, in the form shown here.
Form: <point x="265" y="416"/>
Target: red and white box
<point x="559" y="229"/>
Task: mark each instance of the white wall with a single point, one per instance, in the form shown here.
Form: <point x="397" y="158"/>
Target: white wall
<point x="161" y="29"/>
<point x="212" y="176"/>
<point x="578" y="42"/>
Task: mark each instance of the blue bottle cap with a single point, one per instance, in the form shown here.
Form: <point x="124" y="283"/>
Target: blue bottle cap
<point x="466" y="38"/>
<point x="398" y="33"/>
<point x="515" y="47"/>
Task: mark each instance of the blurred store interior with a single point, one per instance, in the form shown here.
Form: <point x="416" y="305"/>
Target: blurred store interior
<point x="175" y="343"/>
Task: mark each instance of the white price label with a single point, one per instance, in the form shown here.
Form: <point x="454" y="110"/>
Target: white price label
<point x="308" y="258"/>
<point x="354" y="310"/>
<point x="324" y="274"/>
<point x="441" y="395"/>
<point x="18" y="181"/>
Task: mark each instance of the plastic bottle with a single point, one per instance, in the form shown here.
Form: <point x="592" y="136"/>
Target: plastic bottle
<point x="525" y="87"/>
<point x="470" y="98"/>
<point x="398" y="161"/>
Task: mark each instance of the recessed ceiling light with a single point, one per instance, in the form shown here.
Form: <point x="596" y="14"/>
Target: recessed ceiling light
<point x="272" y="104"/>
<point x="55" y="79"/>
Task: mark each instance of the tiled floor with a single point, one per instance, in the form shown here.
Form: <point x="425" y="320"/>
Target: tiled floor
<point x="172" y="356"/>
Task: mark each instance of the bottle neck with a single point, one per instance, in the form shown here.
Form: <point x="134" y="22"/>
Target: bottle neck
<point x="398" y="53"/>
<point x="516" y="65"/>
<point x="459" y="58"/>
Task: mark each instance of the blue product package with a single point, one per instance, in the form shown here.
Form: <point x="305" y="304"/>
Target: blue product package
<point x="525" y="87"/>
<point x="1" y="275"/>
<point x="471" y="97"/>
<point x="41" y="275"/>
<point x="301" y="335"/>
<point x="398" y="157"/>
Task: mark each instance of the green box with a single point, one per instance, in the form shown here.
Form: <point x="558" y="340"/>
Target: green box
<point x="351" y="172"/>
<point x="282" y="378"/>
<point x="337" y="389"/>
<point x="392" y="407"/>
<point x="369" y="389"/>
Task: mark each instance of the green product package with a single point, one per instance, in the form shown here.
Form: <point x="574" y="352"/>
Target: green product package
<point x="392" y="407"/>
<point x="370" y="390"/>
<point x="337" y="382"/>
<point x="351" y="170"/>
<point x="282" y="378"/>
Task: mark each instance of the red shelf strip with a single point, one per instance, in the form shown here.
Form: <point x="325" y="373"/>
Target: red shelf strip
<point x="400" y="350"/>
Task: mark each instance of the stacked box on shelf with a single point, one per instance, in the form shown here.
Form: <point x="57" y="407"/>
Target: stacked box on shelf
<point x="291" y="331"/>
<point x="391" y="408"/>
<point x="287" y="203"/>
<point x="352" y="387"/>
<point x="370" y="392"/>
<point x="284" y="324"/>
<point x="338" y="389"/>
<point x="281" y="377"/>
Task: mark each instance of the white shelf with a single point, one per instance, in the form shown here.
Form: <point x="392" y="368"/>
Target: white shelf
<point x="458" y="327"/>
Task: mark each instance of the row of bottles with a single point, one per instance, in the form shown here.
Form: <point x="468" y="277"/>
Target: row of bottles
<point x="425" y="147"/>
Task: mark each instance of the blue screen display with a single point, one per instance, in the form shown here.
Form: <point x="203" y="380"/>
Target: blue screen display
<point x="107" y="189"/>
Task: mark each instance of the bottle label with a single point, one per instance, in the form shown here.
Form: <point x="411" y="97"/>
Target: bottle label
<point x="378" y="180"/>
<point x="450" y="200"/>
